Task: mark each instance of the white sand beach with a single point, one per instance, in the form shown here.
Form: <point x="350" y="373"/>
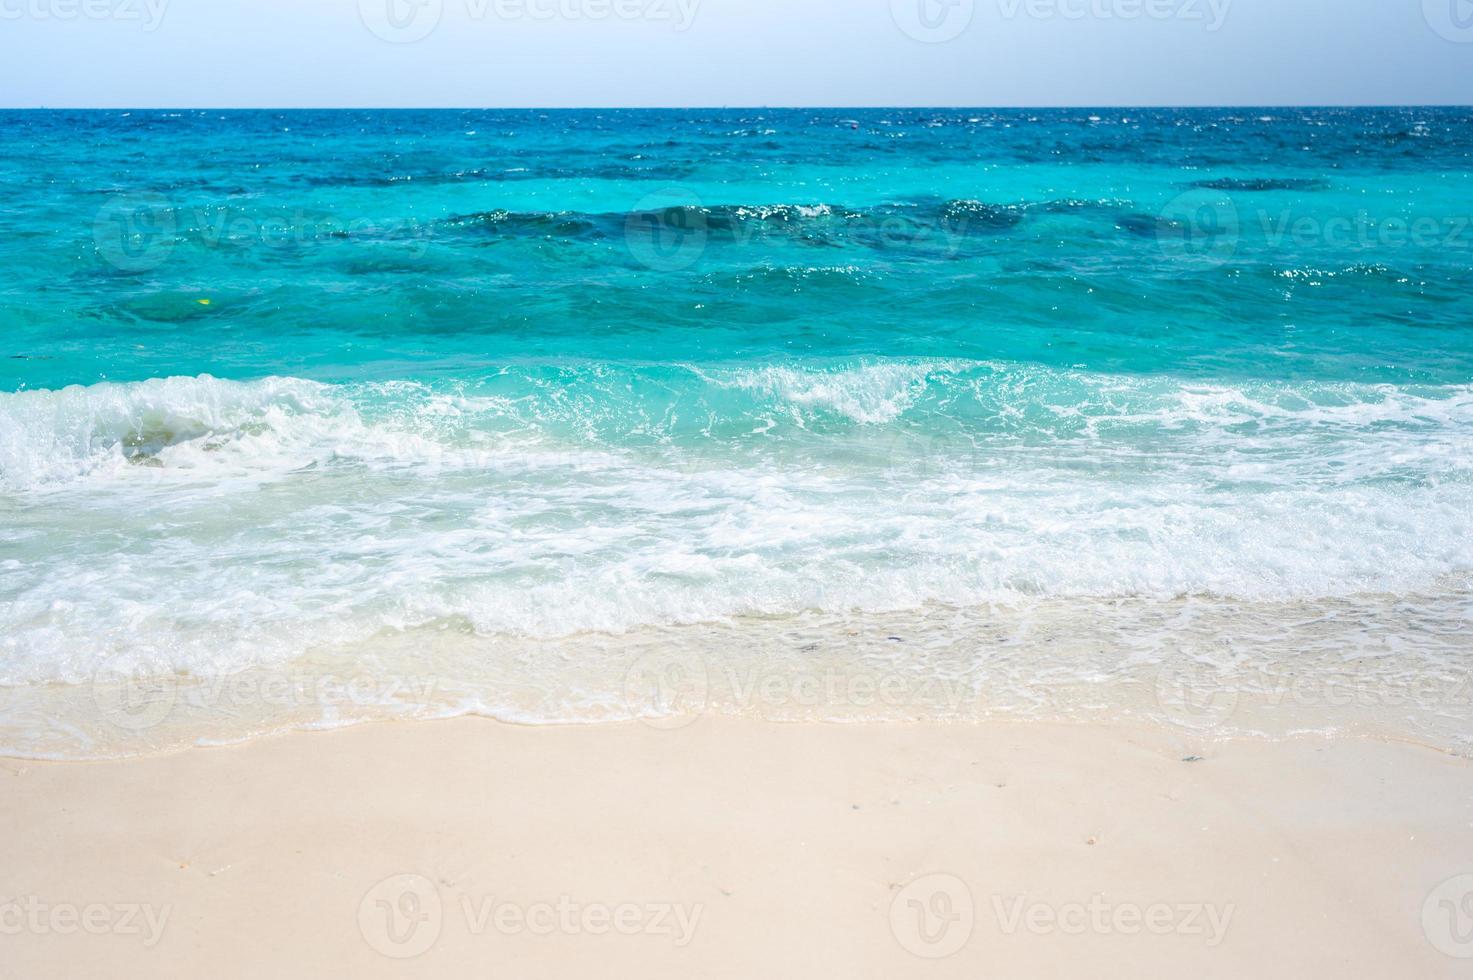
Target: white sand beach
<point x="734" y="848"/>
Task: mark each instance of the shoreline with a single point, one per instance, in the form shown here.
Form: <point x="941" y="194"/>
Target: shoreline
<point x="730" y="847"/>
<point x="1149" y="729"/>
<point x="1339" y="667"/>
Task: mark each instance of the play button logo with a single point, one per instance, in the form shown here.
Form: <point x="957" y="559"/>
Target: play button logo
<point x="401" y="21"/>
<point x="932" y="21"/>
<point x="1452" y="19"/>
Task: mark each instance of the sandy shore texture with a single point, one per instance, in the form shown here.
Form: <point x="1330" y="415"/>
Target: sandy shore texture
<point x="733" y="848"/>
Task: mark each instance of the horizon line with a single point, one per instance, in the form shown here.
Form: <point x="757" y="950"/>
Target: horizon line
<point x="740" y="107"/>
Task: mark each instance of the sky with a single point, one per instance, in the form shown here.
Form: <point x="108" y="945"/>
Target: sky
<point x="551" y="53"/>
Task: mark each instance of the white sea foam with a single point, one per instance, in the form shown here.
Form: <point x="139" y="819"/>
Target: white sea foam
<point x="56" y="437"/>
<point x="203" y="525"/>
<point x="866" y="394"/>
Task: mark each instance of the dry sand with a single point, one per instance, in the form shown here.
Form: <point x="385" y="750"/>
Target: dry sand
<point x="741" y="849"/>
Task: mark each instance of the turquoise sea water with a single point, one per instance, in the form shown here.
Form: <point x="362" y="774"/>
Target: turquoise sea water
<point x="279" y="383"/>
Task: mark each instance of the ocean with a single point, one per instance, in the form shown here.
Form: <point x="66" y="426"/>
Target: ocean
<point x="311" y="417"/>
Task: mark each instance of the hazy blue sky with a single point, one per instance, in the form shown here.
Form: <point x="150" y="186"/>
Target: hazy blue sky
<point x="732" y="52"/>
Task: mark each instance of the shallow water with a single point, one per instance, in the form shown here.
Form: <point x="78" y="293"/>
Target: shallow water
<point x="507" y="400"/>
